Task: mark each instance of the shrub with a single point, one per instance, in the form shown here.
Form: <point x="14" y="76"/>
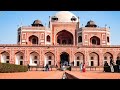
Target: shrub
<point x="9" y="68"/>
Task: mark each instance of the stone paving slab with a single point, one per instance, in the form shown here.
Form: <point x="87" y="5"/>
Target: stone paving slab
<point x="95" y="75"/>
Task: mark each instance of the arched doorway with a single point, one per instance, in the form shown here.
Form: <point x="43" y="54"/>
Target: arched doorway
<point x="5" y="57"/>
<point x="34" y="59"/>
<point x="64" y="37"/>
<point x="78" y="58"/>
<point x="93" y="59"/>
<point x="49" y="58"/>
<point x="64" y="59"/>
<point x="19" y="57"/>
<point x="107" y="57"/>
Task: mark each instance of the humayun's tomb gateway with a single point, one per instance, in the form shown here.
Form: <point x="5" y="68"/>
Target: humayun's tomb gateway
<point x="63" y="40"/>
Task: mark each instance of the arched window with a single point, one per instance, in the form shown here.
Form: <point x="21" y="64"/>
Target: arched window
<point x="49" y="57"/>
<point x="48" y="38"/>
<point x="92" y="58"/>
<point x="35" y="57"/>
<point x="21" y="57"/>
<point x="79" y="39"/>
<point x="78" y="58"/>
<point x="107" y="39"/>
<point x="93" y="41"/>
<point x="105" y="58"/>
<point x="33" y="39"/>
<point x="73" y="18"/>
<point x="7" y="57"/>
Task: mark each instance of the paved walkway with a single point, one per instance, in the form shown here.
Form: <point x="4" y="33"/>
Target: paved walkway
<point x="55" y="75"/>
<point x="58" y="75"/>
<point x="95" y="75"/>
<point x="32" y="75"/>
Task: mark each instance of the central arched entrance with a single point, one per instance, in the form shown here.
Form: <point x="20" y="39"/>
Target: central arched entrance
<point x="64" y="37"/>
<point x="64" y="59"/>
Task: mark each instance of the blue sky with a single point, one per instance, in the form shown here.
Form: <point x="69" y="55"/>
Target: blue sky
<point x="9" y="21"/>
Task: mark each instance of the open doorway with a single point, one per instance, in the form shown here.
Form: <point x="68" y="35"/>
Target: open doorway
<point x="64" y="59"/>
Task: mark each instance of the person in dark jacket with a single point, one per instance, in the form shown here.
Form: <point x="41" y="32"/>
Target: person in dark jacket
<point x="111" y="61"/>
<point x="47" y="67"/>
<point x="118" y="65"/>
<point x="70" y="67"/>
<point x="106" y="67"/>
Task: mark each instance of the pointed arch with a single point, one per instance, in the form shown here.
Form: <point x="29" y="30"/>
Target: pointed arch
<point x="107" y="57"/>
<point x="79" y="39"/>
<point x="95" y="40"/>
<point x="48" y="38"/>
<point x="78" y="58"/>
<point x="94" y="59"/>
<point x="34" y="59"/>
<point x="19" y="58"/>
<point x="33" y="39"/>
<point x="5" y="57"/>
<point x="64" y="58"/>
<point x="64" y="37"/>
<point x="49" y="58"/>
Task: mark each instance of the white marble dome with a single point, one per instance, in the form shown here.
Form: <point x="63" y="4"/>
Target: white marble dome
<point x="65" y="16"/>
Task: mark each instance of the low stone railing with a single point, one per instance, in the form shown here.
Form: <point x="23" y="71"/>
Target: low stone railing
<point x="88" y="68"/>
<point x="41" y="68"/>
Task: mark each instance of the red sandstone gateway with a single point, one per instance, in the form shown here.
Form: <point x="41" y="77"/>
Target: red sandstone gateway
<point x="64" y="40"/>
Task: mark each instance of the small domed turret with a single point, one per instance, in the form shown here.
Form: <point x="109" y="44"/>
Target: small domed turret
<point x="91" y="24"/>
<point x="37" y="23"/>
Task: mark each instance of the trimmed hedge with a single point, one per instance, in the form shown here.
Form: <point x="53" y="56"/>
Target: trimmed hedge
<point x="10" y="68"/>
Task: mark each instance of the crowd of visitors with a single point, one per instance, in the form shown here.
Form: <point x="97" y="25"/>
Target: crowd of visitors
<point x="113" y="67"/>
